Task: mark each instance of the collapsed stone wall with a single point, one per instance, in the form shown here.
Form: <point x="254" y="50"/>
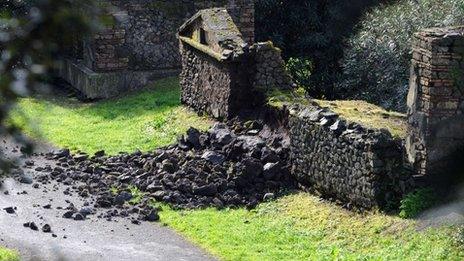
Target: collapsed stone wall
<point x="436" y="100"/>
<point x="209" y="86"/>
<point x="357" y="166"/>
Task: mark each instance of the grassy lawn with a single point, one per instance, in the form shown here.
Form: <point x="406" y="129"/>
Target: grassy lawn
<point x="145" y="120"/>
<point x="295" y="227"/>
<point x="301" y="227"/>
<point x="8" y="255"/>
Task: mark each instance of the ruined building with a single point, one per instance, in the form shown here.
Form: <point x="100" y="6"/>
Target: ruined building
<point x="138" y="43"/>
<point x="221" y="73"/>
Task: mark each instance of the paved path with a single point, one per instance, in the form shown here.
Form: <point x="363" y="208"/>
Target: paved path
<point x="92" y="239"/>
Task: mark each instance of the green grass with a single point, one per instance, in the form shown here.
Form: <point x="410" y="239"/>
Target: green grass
<point x="301" y="227"/>
<point x="295" y="227"/>
<point x="8" y="255"/>
<point x="146" y="120"/>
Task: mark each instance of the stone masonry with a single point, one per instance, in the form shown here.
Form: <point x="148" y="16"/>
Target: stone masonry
<point x="138" y="43"/>
<point x="221" y="74"/>
<point x="345" y="161"/>
<point x="215" y="68"/>
<point x="436" y="100"/>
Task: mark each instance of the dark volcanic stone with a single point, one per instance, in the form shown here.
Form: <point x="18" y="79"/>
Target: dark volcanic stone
<point x="46" y="228"/>
<point x="31" y="225"/>
<point x="253" y="167"/>
<point x="79" y="217"/>
<point x="271" y="170"/>
<point x="62" y="153"/>
<point x="122" y="197"/>
<point x="193" y="137"/>
<point x="10" y="210"/>
<point x="25" y="179"/>
<point x="99" y="153"/>
<point x="206" y="190"/>
<point x="213" y="157"/>
<point x="152" y="216"/>
<point x="68" y="214"/>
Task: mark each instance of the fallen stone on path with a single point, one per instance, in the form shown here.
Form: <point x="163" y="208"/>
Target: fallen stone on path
<point x="223" y="167"/>
<point x="10" y="210"/>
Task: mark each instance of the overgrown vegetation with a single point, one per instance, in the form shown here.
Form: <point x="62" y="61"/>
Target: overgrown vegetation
<point x="362" y="112"/>
<point x="303" y="227"/>
<point x="377" y="60"/>
<point x="416" y="202"/>
<point x="311" y="30"/>
<point x="8" y="255"/>
<point x="144" y="120"/>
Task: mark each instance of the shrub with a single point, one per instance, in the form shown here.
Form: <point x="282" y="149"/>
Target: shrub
<point x="311" y="29"/>
<point x="377" y="59"/>
<point x="300" y="70"/>
<point x="416" y="202"/>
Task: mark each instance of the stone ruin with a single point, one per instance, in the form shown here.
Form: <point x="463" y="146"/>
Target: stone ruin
<point x="138" y="43"/>
<point x="221" y="73"/>
<point x="342" y="160"/>
<point x="224" y="72"/>
<point x="436" y="101"/>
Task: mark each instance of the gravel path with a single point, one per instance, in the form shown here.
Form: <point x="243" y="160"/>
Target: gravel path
<point x="90" y="239"/>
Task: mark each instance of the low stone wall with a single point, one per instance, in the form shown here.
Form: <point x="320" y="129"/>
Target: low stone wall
<point x="357" y="166"/>
<point x="106" y="85"/>
<point x="209" y="86"/>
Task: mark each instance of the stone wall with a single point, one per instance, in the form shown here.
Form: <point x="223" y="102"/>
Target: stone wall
<point x="141" y="34"/>
<point x="215" y="76"/>
<point x="436" y="100"/>
<point x="270" y="71"/>
<point x="102" y="51"/>
<point x="345" y="161"/>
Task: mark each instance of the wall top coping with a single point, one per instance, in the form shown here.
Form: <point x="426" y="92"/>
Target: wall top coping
<point x="334" y="123"/>
<point x="445" y="33"/>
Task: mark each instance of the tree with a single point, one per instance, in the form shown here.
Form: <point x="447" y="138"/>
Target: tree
<point x="33" y="34"/>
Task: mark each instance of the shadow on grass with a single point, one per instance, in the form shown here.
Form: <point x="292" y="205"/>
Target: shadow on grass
<point x="159" y="97"/>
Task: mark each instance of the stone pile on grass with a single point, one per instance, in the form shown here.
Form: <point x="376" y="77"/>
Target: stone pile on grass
<point x="231" y="165"/>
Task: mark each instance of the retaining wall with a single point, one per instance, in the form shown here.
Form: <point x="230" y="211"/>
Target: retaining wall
<point x="352" y="164"/>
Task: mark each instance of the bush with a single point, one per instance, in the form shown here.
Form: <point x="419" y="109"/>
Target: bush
<point x="416" y="202"/>
<point x="311" y="29"/>
<point x="300" y="70"/>
<point x="377" y="60"/>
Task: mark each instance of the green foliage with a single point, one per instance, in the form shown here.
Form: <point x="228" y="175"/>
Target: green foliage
<point x="416" y="202"/>
<point x="32" y="35"/>
<point x="377" y="60"/>
<point x="300" y="70"/>
<point x="311" y="29"/>
<point x="145" y="120"/>
<point x="302" y="227"/>
<point x="8" y="255"/>
<point x="137" y="195"/>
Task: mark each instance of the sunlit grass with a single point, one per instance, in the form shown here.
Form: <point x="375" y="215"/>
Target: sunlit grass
<point x="295" y="227"/>
<point x="144" y="120"/>
<point x="8" y="255"/>
<point x="302" y="227"/>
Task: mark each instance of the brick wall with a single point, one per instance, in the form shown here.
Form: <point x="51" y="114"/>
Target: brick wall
<point x="436" y="100"/>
